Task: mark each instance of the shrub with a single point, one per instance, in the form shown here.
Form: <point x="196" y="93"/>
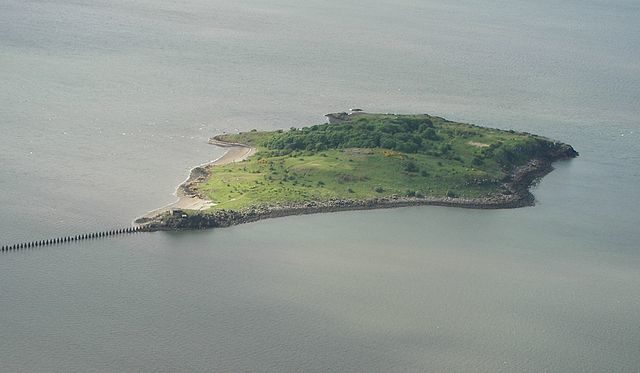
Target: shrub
<point x="411" y="166"/>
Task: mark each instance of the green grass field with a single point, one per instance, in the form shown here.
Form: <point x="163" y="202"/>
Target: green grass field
<point x="409" y="155"/>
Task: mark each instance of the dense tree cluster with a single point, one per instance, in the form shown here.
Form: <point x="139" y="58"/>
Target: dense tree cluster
<point x="403" y="134"/>
<point x="519" y="152"/>
<point x="414" y="134"/>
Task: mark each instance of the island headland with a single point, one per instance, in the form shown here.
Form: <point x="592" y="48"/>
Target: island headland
<point x="359" y="161"/>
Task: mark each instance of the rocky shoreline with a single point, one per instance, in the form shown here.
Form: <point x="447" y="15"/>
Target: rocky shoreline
<point x="516" y="194"/>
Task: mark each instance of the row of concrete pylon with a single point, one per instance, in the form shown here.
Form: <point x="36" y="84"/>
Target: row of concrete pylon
<point x="79" y="237"/>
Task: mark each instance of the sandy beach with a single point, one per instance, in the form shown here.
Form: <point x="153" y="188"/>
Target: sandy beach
<point x="187" y="199"/>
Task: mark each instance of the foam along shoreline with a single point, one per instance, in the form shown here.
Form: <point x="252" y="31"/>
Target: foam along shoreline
<point x="187" y="198"/>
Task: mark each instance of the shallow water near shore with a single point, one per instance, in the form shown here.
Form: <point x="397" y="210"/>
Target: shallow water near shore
<point x="107" y="106"/>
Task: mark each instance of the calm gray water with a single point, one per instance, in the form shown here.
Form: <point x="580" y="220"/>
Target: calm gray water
<point x="106" y="105"/>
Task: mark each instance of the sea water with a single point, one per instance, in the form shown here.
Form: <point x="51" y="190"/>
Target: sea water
<point x="106" y="105"/>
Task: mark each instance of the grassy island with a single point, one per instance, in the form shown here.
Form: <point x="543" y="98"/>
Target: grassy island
<point x="363" y="160"/>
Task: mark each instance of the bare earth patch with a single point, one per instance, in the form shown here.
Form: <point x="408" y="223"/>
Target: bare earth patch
<point x="478" y="144"/>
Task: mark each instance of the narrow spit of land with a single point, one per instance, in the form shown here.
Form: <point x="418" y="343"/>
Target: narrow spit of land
<point x="188" y="198"/>
<point x="360" y="161"/>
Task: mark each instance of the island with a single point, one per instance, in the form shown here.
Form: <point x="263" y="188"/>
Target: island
<point x="357" y="161"/>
